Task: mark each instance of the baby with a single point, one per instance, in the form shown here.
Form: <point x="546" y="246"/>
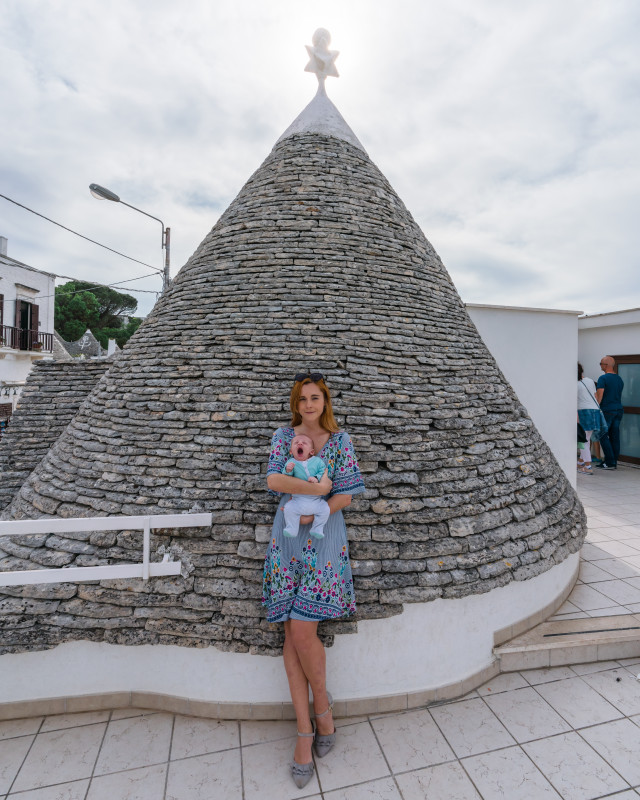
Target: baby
<point x="307" y="467"/>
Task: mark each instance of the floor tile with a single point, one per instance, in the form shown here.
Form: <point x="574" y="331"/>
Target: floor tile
<point x="635" y="582"/>
<point x="591" y="552"/>
<point x="619" y="744"/>
<point x="341" y="722"/>
<point x="587" y="598"/>
<point x="575" y="615"/>
<point x="471" y="727"/>
<point x="60" y="757"/>
<point x="266" y="770"/>
<point x="619" y="568"/>
<point x="590" y="572"/>
<point x="623" y="694"/>
<point x="12" y="753"/>
<point x="526" y="715"/>
<point x="502" y="683"/>
<point x="613" y="611"/>
<point x="619" y="591"/>
<point x="60" y="721"/>
<point x="356" y="757"/>
<point x="444" y="781"/>
<point x="567" y="607"/>
<point x="412" y="740"/>
<point x="508" y="774"/>
<point x="258" y="731"/>
<point x="383" y="789"/>
<point x="146" y="783"/>
<point x="634" y="608"/>
<point x="573" y="768"/>
<point x="620" y="549"/>
<point x="536" y="676"/>
<point x="627" y="662"/>
<point x="135" y="742"/>
<point x="593" y="666"/>
<point x="578" y="703"/>
<point x="193" y="736"/>
<point x="125" y="713"/>
<point x="19" y="727"/>
<point x="76" y="790"/>
<point x="216" y="775"/>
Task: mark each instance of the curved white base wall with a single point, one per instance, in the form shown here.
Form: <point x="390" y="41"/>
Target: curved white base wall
<point x="430" y="645"/>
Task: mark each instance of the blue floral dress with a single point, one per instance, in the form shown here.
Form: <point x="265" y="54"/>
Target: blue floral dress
<point x="305" y="578"/>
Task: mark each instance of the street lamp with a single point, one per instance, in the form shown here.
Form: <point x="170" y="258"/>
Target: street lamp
<point x="104" y="194"/>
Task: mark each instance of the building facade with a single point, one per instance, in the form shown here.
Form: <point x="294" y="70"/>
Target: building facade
<point x="26" y="325"/>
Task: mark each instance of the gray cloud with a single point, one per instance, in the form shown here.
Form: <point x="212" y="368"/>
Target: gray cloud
<point x="509" y="130"/>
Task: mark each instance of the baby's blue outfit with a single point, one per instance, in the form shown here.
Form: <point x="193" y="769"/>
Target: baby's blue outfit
<point x="301" y="504"/>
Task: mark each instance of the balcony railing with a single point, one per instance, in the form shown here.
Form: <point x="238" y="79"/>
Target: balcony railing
<point x="24" y="339"/>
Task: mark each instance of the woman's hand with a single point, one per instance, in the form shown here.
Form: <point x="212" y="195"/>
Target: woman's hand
<point x="324" y="484"/>
<point x="306" y="519"/>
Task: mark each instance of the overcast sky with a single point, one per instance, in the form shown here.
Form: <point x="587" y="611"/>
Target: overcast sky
<point x="510" y="130"/>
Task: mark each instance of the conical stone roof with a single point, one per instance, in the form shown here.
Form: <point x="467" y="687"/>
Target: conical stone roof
<point x="316" y="264"/>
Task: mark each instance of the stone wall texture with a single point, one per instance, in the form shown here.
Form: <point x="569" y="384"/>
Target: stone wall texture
<point x="53" y="393"/>
<point x="315" y="265"/>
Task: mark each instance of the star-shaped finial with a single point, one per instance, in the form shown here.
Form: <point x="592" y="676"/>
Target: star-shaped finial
<point x="321" y="59"/>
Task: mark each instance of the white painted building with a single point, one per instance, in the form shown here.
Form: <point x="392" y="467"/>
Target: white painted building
<point x="26" y="324"/>
<point x="537" y="350"/>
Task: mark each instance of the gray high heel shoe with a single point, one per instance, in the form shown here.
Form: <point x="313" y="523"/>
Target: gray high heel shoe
<point x="322" y="744"/>
<point x="302" y="773"/>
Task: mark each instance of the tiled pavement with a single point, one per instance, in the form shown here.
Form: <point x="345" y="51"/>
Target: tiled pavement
<point x="569" y="732"/>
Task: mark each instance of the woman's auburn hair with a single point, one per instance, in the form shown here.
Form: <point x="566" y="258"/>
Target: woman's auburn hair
<point x="327" y="420"/>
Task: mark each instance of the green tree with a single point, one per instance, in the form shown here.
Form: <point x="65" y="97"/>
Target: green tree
<point x="80" y="305"/>
<point x="75" y="311"/>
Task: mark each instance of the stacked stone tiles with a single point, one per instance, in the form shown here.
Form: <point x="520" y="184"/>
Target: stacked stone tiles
<point x="316" y="264"/>
<point x="53" y="393"/>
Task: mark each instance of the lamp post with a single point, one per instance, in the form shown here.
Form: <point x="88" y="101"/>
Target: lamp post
<point x="105" y="194"/>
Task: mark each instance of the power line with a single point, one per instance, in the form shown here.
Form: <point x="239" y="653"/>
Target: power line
<point x="102" y="285"/>
<point x="93" y="241"/>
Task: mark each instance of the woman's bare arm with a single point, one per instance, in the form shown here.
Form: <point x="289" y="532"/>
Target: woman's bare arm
<point x="338" y="502"/>
<point x="289" y="485"/>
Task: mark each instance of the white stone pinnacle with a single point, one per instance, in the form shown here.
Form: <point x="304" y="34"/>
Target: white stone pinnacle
<point x="321" y="116"/>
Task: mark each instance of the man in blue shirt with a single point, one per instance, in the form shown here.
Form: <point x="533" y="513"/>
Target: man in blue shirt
<point x="609" y="394"/>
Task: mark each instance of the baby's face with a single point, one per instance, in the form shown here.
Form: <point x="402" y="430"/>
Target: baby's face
<point x="301" y="448"/>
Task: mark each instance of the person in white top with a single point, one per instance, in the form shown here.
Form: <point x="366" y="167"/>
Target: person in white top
<point x="588" y="417"/>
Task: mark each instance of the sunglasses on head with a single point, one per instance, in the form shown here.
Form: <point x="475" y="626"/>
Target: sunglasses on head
<point x="314" y="376"/>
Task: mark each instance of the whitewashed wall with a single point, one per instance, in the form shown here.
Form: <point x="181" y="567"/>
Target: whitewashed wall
<point x="537" y="350"/>
<point x="19" y="281"/>
<point x="613" y="334"/>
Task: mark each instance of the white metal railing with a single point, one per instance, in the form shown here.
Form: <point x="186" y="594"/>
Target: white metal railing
<point x="144" y="570"/>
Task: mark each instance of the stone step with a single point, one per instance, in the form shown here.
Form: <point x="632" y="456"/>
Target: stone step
<point x="572" y="641"/>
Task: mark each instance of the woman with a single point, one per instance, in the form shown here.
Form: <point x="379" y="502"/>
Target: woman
<point x="589" y="416"/>
<point x="307" y="579"/>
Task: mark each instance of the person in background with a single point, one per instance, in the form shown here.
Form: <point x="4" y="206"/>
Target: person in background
<point x="588" y="416"/>
<point x="609" y="394"/>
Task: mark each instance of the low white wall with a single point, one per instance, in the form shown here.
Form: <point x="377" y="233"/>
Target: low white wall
<point x="613" y="334"/>
<point x="428" y="646"/>
<point x="537" y="350"/>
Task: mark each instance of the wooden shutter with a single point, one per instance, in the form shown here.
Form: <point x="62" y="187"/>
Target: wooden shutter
<point x="19" y="338"/>
<point x="1" y="313"/>
<point x="35" y="316"/>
